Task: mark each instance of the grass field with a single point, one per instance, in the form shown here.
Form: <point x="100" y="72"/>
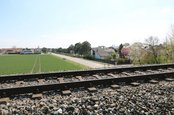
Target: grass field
<point x="20" y="64"/>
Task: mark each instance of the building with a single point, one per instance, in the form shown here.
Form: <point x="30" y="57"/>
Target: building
<point x="37" y="50"/>
<point x="101" y="52"/>
<point x="10" y="50"/>
<point x="20" y="51"/>
<point x="27" y="51"/>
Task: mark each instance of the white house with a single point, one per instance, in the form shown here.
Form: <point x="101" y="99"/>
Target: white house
<point x="27" y="51"/>
<point x="101" y="52"/>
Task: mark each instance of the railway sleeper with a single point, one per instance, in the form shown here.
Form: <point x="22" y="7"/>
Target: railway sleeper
<point x="171" y="69"/>
<point x="97" y="76"/>
<point x="112" y="75"/>
<point x="151" y="71"/>
<point x="140" y="72"/>
<point x="153" y="81"/>
<point x="161" y="70"/>
<point x="4" y="100"/>
<point x="92" y="89"/>
<point x="66" y="92"/>
<point x="169" y="79"/>
<point x="128" y="74"/>
<point x="41" y="81"/>
<point x="37" y="96"/>
<point x="19" y="83"/>
<point x="135" y="83"/>
<point x="114" y="86"/>
<point x="80" y="78"/>
<point x="61" y="80"/>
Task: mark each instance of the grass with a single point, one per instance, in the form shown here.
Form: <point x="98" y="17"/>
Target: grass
<point x="22" y="64"/>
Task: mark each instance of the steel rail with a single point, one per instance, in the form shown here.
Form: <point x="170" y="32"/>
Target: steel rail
<point x="83" y="72"/>
<point x="85" y="83"/>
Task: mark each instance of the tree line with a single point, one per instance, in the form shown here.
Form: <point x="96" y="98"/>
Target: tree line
<point x="148" y="52"/>
<point x="153" y="52"/>
<point x="81" y="49"/>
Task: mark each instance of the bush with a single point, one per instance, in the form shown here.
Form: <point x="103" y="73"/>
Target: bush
<point x="89" y="57"/>
<point x="123" y="61"/>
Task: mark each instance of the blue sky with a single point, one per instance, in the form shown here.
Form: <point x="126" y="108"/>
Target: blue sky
<point x="59" y="23"/>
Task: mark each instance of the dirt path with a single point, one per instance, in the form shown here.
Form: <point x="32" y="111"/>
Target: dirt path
<point x="89" y="63"/>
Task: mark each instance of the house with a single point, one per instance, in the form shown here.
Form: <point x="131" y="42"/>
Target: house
<point x="101" y="52"/>
<point x="27" y="51"/>
<point x="20" y="51"/>
<point x="37" y="50"/>
<point x="10" y="50"/>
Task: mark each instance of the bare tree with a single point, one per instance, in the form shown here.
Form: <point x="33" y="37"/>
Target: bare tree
<point x="170" y="43"/>
<point x="136" y="51"/>
<point x="152" y="47"/>
<point x="171" y="33"/>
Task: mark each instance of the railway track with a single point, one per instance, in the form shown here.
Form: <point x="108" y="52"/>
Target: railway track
<point x="37" y="83"/>
<point x="129" y="90"/>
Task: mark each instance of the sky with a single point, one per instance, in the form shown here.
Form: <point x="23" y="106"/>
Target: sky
<point x="60" y="23"/>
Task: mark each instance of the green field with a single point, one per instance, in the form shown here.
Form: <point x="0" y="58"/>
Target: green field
<point x="22" y="64"/>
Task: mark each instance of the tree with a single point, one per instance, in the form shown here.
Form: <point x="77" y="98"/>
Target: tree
<point x="59" y="50"/>
<point x="77" y="48"/>
<point x="114" y="56"/>
<point x="70" y="49"/>
<point x="85" y="48"/>
<point x="126" y="44"/>
<point x="44" y="50"/>
<point x="169" y="45"/>
<point x="119" y="51"/>
<point x="53" y="50"/>
<point x="136" y="52"/>
<point x="152" y="47"/>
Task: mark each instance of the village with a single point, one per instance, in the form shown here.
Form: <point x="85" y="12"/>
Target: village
<point x="20" y="51"/>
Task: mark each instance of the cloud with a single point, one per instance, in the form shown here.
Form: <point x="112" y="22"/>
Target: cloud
<point x="104" y="35"/>
<point x="97" y="35"/>
<point x="167" y="10"/>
